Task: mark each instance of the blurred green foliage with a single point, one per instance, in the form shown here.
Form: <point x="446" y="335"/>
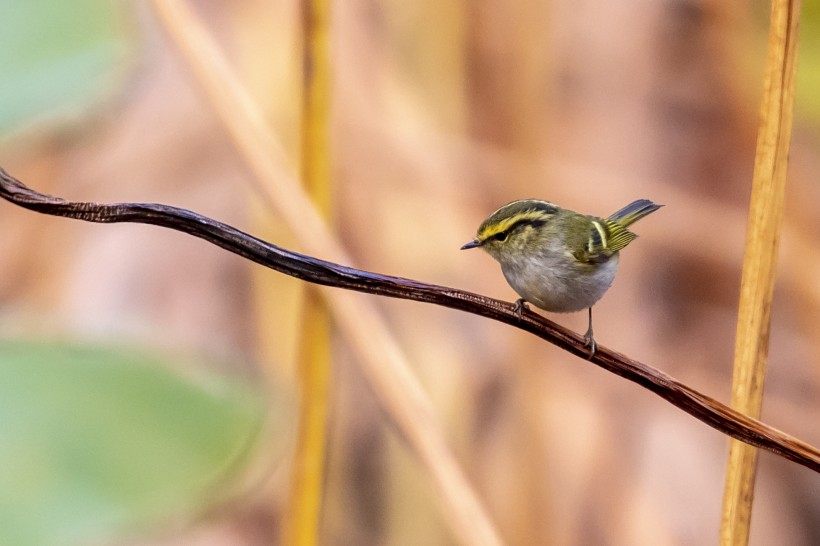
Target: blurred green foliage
<point x="58" y="55"/>
<point x="98" y="441"/>
<point x="807" y="100"/>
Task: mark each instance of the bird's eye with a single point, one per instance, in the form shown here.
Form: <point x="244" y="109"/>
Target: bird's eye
<point x="500" y="236"/>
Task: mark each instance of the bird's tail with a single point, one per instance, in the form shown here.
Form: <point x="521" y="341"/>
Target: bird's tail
<point x="633" y="212"/>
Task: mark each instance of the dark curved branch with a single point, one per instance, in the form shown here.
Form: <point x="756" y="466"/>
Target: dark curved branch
<point x="700" y="406"/>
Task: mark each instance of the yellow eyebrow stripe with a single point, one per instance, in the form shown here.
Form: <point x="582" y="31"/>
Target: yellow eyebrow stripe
<point x="507" y="223"/>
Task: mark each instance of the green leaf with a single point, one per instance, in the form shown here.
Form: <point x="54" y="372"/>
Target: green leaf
<point x="57" y="56"/>
<point x="95" y="441"/>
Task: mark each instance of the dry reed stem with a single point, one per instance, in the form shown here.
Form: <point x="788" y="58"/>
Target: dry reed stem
<point x="382" y="362"/>
<point x="303" y="513"/>
<point x="759" y="262"/>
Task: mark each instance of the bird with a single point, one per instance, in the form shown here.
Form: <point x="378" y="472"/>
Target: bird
<point x="556" y="259"/>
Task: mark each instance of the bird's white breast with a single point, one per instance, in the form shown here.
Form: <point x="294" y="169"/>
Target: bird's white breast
<point x="557" y="282"/>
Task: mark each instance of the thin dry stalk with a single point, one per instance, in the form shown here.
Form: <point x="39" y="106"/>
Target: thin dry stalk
<point x="759" y="262"/>
<point x="382" y="361"/>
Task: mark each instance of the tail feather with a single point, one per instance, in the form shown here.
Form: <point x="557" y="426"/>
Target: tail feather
<point x="633" y="212"/>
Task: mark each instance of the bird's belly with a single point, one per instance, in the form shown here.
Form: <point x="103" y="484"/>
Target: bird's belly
<point x="561" y="287"/>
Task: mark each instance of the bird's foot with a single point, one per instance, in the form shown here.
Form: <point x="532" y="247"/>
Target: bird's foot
<point x="590" y="342"/>
<point x="520" y="306"/>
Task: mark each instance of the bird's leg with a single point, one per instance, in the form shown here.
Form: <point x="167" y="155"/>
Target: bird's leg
<point x="520" y="305"/>
<point x="589" y="341"/>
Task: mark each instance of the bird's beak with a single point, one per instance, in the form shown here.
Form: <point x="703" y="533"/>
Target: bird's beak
<point x="472" y="244"/>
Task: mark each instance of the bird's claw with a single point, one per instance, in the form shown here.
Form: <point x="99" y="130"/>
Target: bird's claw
<point x="520" y="305"/>
<point x="590" y="342"/>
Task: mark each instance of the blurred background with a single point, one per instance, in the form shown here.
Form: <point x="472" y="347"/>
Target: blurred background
<point x="148" y="384"/>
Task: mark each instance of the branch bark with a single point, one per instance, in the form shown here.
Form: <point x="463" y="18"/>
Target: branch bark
<point x="707" y="410"/>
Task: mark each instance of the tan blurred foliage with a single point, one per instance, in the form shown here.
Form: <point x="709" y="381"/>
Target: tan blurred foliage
<point x="443" y="111"/>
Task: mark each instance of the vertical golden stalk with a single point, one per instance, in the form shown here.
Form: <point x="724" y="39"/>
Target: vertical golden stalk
<point x="757" y="284"/>
<point x="301" y="526"/>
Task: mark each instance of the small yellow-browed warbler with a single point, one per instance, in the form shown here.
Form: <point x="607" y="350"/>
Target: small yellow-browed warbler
<point x="557" y="259"/>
